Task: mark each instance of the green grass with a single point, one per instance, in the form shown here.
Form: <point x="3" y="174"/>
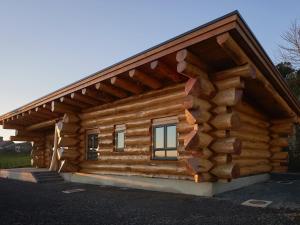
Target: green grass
<point x="14" y="160"/>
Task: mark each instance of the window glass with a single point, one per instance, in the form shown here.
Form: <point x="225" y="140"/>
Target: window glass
<point x="165" y="141"/>
<point x="172" y="153"/>
<point x="120" y="140"/>
<point x="171" y="136"/>
<point x="161" y="154"/>
<point x="92" y="146"/>
<point x="159" y="137"/>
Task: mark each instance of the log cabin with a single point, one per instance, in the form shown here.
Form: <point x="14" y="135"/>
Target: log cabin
<point x="206" y="106"/>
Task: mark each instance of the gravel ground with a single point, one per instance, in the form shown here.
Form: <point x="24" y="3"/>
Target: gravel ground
<point x="28" y="203"/>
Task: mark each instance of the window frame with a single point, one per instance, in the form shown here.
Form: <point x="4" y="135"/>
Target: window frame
<point x="119" y="129"/>
<point x="165" y="149"/>
<point x="87" y="134"/>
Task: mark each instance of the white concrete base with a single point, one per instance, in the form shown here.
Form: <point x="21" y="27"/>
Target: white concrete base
<point x="165" y="185"/>
<point x="22" y="174"/>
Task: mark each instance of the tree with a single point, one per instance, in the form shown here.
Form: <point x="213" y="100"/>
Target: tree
<point x="290" y="51"/>
<point x="291" y="75"/>
<point x="285" y="68"/>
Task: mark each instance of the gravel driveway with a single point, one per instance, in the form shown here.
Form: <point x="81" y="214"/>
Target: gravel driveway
<point x="29" y="203"/>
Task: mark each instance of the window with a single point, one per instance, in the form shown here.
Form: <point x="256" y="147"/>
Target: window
<point x="92" y="145"/>
<point x="120" y="137"/>
<point x="164" y="139"/>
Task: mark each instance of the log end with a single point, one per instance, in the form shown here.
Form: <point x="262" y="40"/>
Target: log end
<point x="235" y="121"/>
<point x="235" y="172"/>
<point x="193" y="165"/>
<point x="181" y="67"/>
<point x="154" y="64"/>
<point x="252" y="72"/>
<point x="237" y="146"/>
<point x="181" y="55"/>
<point x="190" y="85"/>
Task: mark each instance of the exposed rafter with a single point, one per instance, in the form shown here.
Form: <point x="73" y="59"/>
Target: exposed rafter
<point x="145" y="79"/>
<point x="83" y="98"/>
<point x="163" y="70"/>
<point x="100" y="96"/>
<point x="63" y="108"/>
<point x="126" y="85"/>
<point x="110" y="89"/>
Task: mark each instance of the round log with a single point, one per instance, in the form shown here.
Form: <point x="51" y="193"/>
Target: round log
<point x="233" y="82"/>
<point x="227" y="145"/>
<point x="138" y="104"/>
<point x="243" y="162"/>
<point x="70" y="118"/>
<point x="220" y="110"/>
<point x="138" y="140"/>
<point x="220" y="133"/>
<point x="67" y="142"/>
<point x="191" y="102"/>
<point x="198" y="87"/>
<point x="190" y="70"/>
<point x="248" y="109"/>
<point x="187" y="56"/>
<point x="251" y="153"/>
<point x="255" y="145"/>
<point x="280" y="142"/>
<point x="226" y="121"/>
<point x="228" y="97"/>
<point x="197" y="140"/>
<point x="252" y="120"/>
<point x="138" y="132"/>
<point x="249" y="136"/>
<point x="226" y="171"/>
<point x="194" y="116"/>
<point x="256" y="169"/>
<point x="222" y="159"/>
<point x="280" y="155"/>
<point x="67" y="128"/>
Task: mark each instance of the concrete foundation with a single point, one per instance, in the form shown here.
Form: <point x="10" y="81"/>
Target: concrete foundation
<point x="165" y="185"/>
<point x="23" y="174"/>
<point x="145" y="183"/>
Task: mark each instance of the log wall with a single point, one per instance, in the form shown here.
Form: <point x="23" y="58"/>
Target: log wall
<point x="222" y="135"/>
<point x="136" y="113"/>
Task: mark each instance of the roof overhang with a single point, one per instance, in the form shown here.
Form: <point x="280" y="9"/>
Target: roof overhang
<point x="231" y="23"/>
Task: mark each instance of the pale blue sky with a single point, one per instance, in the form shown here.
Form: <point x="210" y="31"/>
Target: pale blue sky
<point x="45" y="45"/>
